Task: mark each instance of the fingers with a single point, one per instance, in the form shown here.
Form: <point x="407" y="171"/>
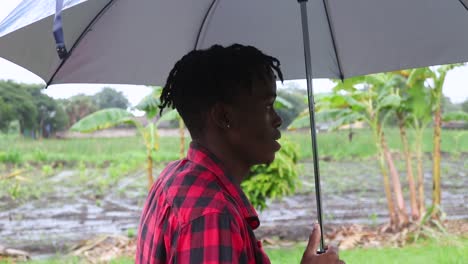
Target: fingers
<point x="310" y="254"/>
<point x="314" y="239"/>
<point x="331" y="249"/>
<point x="332" y="254"/>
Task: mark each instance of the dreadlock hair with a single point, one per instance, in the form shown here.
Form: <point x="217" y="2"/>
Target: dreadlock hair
<point x="218" y="74"/>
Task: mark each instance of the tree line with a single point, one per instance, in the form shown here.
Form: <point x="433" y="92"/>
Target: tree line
<point x="26" y="110"/>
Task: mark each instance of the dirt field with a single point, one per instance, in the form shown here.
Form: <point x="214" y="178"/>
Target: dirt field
<point x="70" y="213"/>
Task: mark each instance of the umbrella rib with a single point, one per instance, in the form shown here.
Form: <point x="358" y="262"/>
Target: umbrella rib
<point x="332" y="33"/>
<point x="464" y="3"/>
<point x="202" y="26"/>
<point x="98" y="15"/>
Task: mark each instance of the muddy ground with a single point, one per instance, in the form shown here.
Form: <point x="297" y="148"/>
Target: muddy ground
<point x="72" y="210"/>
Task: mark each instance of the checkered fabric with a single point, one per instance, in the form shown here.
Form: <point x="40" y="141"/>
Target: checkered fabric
<point x="194" y="213"/>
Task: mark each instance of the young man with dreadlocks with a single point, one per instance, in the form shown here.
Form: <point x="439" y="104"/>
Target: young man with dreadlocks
<point x="196" y="211"/>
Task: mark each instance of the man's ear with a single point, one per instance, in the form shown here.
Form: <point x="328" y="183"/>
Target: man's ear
<point x="220" y="114"/>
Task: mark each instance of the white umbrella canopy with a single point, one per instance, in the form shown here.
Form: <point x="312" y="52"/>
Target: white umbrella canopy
<point x="137" y="42"/>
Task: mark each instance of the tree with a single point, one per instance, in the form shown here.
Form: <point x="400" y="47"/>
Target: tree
<point x="59" y="120"/>
<point x="464" y="106"/>
<point x="373" y="102"/>
<point x="111" y="117"/>
<point x="404" y="115"/>
<point x="7" y="115"/>
<point x="418" y="102"/>
<point x="51" y="117"/>
<point x="18" y="105"/>
<point x="110" y="98"/>
<point x="150" y="105"/>
<point x="448" y="106"/>
<point x="79" y="106"/>
<point x="437" y="76"/>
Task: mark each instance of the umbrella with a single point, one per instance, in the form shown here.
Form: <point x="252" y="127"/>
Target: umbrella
<point x="137" y="42"/>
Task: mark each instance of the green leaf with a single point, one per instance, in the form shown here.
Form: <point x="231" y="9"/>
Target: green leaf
<point x="281" y="103"/>
<point x="274" y="180"/>
<point x="391" y="101"/>
<point x="168" y="116"/>
<point x="150" y="103"/>
<point x="302" y="121"/>
<point x="455" y="116"/>
<point x="417" y="76"/>
<point x="346" y="119"/>
<point x="103" y="119"/>
<point x="349" y="84"/>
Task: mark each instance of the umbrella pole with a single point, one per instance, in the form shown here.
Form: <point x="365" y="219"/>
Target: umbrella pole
<point x="310" y="97"/>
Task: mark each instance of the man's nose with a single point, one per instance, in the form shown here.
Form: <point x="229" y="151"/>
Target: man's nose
<point x="277" y="121"/>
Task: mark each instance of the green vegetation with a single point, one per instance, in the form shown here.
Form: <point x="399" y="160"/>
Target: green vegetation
<point x="336" y="145"/>
<point x="448" y="250"/>
<point x="98" y="151"/>
<point x="453" y="251"/>
<point x="25" y="110"/>
<point x="72" y="260"/>
<point x="278" y="179"/>
<point x="92" y="151"/>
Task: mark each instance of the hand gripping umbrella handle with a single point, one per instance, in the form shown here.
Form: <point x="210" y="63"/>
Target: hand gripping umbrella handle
<point x="310" y="97"/>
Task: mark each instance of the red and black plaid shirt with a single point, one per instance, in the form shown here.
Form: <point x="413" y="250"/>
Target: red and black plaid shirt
<point x="194" y="213"/>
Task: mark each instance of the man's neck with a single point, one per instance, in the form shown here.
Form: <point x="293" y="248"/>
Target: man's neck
<point x="231" y="162"/>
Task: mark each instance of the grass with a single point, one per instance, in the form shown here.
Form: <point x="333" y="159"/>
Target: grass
<point x="428" y="252"/>
<point x="336" y="145"/>
<point x="445" y="250"/>
<point x="92" y="150"/>
<point x="71" y="260"/>
<point x="98" y="151"/>
<point x="113" y="158"/>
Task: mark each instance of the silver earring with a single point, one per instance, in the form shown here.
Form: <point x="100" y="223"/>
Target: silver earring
<point x="228" y="126"/>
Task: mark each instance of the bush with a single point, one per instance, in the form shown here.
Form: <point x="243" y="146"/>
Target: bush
<point x="11" y="157"/>
<point x="275" y="180"/>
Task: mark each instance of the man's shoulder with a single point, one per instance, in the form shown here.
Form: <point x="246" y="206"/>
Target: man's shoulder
<point x="192" y="190"/>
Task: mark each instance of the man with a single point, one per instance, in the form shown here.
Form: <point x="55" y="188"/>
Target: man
<point x="196" y="211"/>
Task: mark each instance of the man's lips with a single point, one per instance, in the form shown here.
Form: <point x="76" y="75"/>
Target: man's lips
<point x="277" y="136"/>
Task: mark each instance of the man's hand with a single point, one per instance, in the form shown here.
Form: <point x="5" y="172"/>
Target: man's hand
<point x="310" y="254"/>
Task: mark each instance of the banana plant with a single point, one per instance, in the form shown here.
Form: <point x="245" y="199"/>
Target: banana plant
<point x="435" y="78"/>
<point x="418" y="104"/>
<point x="111" y="117"/>
<point x="404" y="82"/>
<point x="370" y="99"/>
<point x="150" y="105"/>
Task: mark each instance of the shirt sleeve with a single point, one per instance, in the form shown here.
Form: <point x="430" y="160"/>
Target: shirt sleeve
<point x="211" y="238"/>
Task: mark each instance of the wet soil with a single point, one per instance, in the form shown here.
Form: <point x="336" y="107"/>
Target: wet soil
<point x="352" y="192"/>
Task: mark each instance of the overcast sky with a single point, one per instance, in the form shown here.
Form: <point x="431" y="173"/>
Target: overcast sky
<point x="455" y="87"/>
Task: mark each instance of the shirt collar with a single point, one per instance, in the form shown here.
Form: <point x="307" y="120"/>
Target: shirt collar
<point x="202" y="156"/>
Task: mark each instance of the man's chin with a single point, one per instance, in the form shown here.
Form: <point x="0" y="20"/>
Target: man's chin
<point x="277" y="146"/>
<point x="268" y="160"/>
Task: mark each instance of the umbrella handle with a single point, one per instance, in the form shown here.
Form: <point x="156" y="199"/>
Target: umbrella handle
<point x="58" y="31"/>
<point x="310" y="97"/>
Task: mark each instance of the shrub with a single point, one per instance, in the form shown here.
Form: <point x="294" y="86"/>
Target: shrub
<point x="11" y="157"/>
<point x="275" y="180"/>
